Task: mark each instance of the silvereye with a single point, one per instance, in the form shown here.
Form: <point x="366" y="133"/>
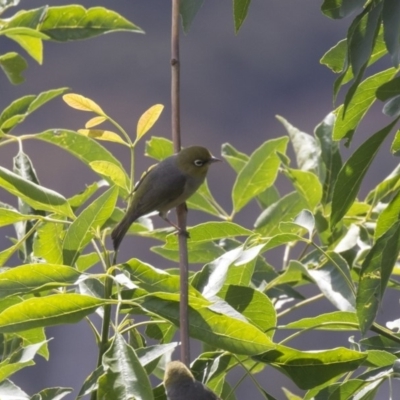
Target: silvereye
<point x="165" y="186"/>
<point x="180" y="384"/>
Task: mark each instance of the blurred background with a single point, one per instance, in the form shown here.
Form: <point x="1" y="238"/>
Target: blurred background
<point x="232" y="88"/>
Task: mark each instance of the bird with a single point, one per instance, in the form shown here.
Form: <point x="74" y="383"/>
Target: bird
<point x="180" y="384"/>
<point x="165" y="186"/>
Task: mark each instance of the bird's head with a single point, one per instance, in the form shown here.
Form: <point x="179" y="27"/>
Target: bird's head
<point x="195" y="160"/>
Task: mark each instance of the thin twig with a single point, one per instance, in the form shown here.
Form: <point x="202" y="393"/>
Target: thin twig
<point x="181" y="210"/>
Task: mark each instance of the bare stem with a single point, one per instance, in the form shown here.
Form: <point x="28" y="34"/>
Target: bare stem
<point x="181" y="210"/>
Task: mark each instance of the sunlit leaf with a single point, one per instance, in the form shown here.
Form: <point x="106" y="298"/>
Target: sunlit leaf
<point x="148" y="119"/>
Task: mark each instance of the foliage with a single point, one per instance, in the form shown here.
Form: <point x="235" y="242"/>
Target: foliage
<point x="345" y="246"/>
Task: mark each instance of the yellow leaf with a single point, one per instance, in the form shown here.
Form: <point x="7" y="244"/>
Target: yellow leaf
<point x="112" y="171"/>
<point x="94" y="121"/>
<point x="147" y="120"/>
<point x="82" y="103"/>
<point x="102" y="135"/>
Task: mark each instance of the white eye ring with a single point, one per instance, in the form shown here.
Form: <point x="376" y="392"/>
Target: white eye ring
<point x="198" y="163"/>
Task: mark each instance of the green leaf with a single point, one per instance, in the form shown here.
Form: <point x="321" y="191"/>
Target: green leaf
<point x="236" y="159"/>
<point x="364" y="97"/>
<point x="209" y="231"/>
<point x="308" y="369"/>
<point x="124" y="376"/>
<point x="334" y="280"/>
<point x="21" y="108"/>
<point x="10" y="389"/>
<point x="74" y="22"/>
<point x="188" y="10"/>
<point x="392" y="107"/>
<point x="113" y="172"/>
<point x="85" y="149"/>
<point x="233" y="267"/>
<point x="284" y="210"/>
<point x="13" y="65"/>
<point x="198" y="253"/>
<point x="36" y="196"/>
<point x="259" y="173"/>
<point x="159" y="148"/>
<point x="4" y="4"/>
<point x="374" y="275"/>
<point x="387" y="186"/>
<point x="8" y="217"/>
<point x="388" y="217"/>
<point x="209" y="326"/>
<point x="35" y="277"/>
<point x="307" y="185"/>
<point x="391" y="28"/>
<point x="203" y="200"/>
<point x="333" y="321"/>
<point x="47" y="244"/>
<point x="361" y="38"/>
<point x="52" y="394"/>
<point x="32" y="45"/>
<point x="340" y="8"/>
<point x="82" y="230"/>
<point x="240" y="9"/>
<point x="352" y="173"/>
<point x="147" y="120"/>
<point x="330" y="155"/>
<point x="248" y="302"/>
<point x="388" y="89"/>
<point x="154" y="280"/>
<point x="335" y="57"/>
<point x="80" y="198"/>
<point x="395" y="148"/>
<point x="38" y="312"/>
<point x="21" y="358"/>
<point x="306" y="149"/>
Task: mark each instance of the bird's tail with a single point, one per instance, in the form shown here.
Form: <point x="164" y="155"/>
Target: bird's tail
<point x="120" y="230"/>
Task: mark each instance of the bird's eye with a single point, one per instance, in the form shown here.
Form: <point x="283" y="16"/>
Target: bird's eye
<point x="198" y="163"/>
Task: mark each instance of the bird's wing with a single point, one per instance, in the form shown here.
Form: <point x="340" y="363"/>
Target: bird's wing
<point x="163" y="185"/>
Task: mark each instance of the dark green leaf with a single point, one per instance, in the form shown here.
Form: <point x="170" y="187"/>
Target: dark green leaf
<point x="124" y="377"/>
<point x="306" y="149"/>
<point x="334" y="321"/>
<point x="19" y="109"/>
<point x="391" y="28"/>
<point x="340" y="8"/>
<point x="52" y="394"/>
<point x="330" y="155"/>
<point x="388" y="89"/>
<point x="283" y="210"/>
<point x="209" y="326"/>
<point x="82" y="230"/>
<point x="236" y="159"/>
<point x="13" y="66"/>
<point x="188" y="10"/>
<point x="310" y="369"/>
<point x="352" y="173"/>
<point x="392" y="107"/>
<point x="36" y="196"/>
<point x="240" y="9"/>
<point x="374" y="276"/>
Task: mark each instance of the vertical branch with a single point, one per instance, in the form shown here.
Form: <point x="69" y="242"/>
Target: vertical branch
<point x="181" y="210"/>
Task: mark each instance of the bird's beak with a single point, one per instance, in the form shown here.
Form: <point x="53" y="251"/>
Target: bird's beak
<point x="214" y="159"/>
